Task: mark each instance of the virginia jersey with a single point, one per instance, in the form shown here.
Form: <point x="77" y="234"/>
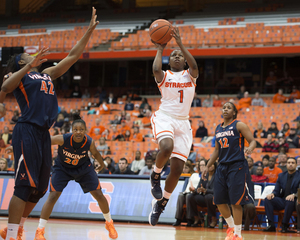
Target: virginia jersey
<point x="231" y="143"/>
<point x="37" y="99"/>
<point x="177" y="90"/>
<point x="73" y="158"/>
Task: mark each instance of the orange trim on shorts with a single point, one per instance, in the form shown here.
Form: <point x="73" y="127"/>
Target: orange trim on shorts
<point x="240" y="141"/>
<point x="99" y="187"/>
<point x="154" y="128"/>
<point x="239" y="201"/>
<point x="164" y="131"/>
<point x="51" y="186"/>
<point x="180" y="154"/>
<point x="21" y="86"/>
<point x="32" y="184"/>
<point x="162" y="82"/>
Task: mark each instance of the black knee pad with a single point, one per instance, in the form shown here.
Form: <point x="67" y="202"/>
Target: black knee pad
<point x="23" y="192"/>
<point x="36" y="196"/>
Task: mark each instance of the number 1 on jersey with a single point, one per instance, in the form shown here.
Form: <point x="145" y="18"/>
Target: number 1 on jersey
<point x="181" y="96"/>
<point x="225" y="144"/>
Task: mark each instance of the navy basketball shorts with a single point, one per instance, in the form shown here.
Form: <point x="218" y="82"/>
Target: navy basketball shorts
<point x="85" y="175"/>
<point x="231" y="184"/>
<point x="33" y="157"/>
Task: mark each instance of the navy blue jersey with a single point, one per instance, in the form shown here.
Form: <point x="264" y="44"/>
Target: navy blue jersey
<point x="231" y="143"/>
<point x="37" y="99"/>
<point x="73" y="158"/>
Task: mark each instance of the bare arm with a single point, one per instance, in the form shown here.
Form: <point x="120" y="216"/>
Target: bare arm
<point x="75" y="53"/>
<point x="157" y="63"/>
<point x="97" y="155"/>
<point x="213" y="158"/>
<point x="193" y="67"/>
<point x="57" y="140"/>
<point x="245" y="131"/>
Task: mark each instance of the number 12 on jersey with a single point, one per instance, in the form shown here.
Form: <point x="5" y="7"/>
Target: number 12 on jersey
<point x="181" y="96"/>
<point x="224" y="143"/>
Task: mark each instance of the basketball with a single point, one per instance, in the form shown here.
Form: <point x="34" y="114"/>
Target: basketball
<point x="160" y="31"/>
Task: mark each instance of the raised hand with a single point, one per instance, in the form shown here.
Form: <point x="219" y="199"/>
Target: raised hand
<point x="159" y="46"/>
<point x="176" y="35"/>
<point x="6" y="76"/>
<point x="38" y="60"/>
<point x="93" y="22"/>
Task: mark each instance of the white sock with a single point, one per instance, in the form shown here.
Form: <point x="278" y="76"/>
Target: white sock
<point x="22" y="221"/>
<point x="157" y="170"/>
<point x="107" y="216"/>
<point x="42" y="223"/>
<point x="230" y="222"/>
<point x="238" y="229"/>
<point x="12" y="231"/>
<point x="167" y="195"/>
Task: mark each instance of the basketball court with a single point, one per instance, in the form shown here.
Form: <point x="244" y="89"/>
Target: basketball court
<point x="58" y="229"/>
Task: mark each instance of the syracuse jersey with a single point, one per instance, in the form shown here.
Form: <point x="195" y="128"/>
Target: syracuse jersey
<point x="37" y="100"/>
<point x="177" y="91"/>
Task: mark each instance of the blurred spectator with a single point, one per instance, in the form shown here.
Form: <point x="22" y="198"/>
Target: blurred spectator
<point x="75" y="114"/>
<point x="123" y="167"/>
<point x="59" y="121"/>
<point x="147" y="170"/>
<point x="286" y="82"/>
<point x="283" y="144"/>
<point x="217" y="102"/>
<point x="279" y="98"/>
<point x="292" y="139"/>
<point x="104" y="108"/>
<point x="129" y="121"/>
<point x="265" y="161"/>
<point x="272" y="171"/>
<point x="270" y="83"/>
<point x="6" y="136"/>
<point x="194" y="129"/>
<point x="260" y="132"/>
<point x="110" y="164"/>
<point x="298" y="163"/>
<point x="124" y="127"/>
<point x="258" y="177"/>
<point x="208" y="102"/>
<point x="67" y="125"/>
<point x="96" y="135"/>
<point x="282" y="160"/>
<point x="144" y="103"/>
<point x="202" y="130"/>
<point x="297" y="119"/>
<point x="106" y="134"/>
<point x="285" y="131"/>
<point x="128" y="105"/>
<point x="295" y="94"/>
<point x="111" y="99"/>
<point x="146" y="121"/>
<point x="64" y="112"/>
<point x="101" y="94"/>
<point x="241" y="92"/>
<point x="76" y="92"/>
<point x="237" y="81"/>
<point x="252" y="168"/>
<point x="116" y="120"/>
<point x="86" y="94"/>
<point x="188" y="168"/>
<point x="15" y="117"/>
<point x="127" y="136"/>
<point x="97" y="126"/>
<point x="136" y="136"/>
<point x="114" y="133"/>
<point x="258" y="101"/>
<point x="104" y="170"/>
<point x="3" y="164"/>
<point x="138" y="163"/>
<point x="273" y="130"/>
<point x="244" y="102"/>
<point x="146" y="108"/>
<point x="2" y="143"/>
<point x="196" y="101"/>
<point x="136" y="111"/>
<point x="192" y="156"/>
<point x="270" y="145"/>
<point x="103" y="148"/>
<point x="298" y="129"/>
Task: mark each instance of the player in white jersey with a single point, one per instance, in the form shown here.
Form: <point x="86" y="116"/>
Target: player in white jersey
<point x="170" y="124"/>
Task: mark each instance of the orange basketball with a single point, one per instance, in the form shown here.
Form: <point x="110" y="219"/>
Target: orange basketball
<point x="160" y="31"/>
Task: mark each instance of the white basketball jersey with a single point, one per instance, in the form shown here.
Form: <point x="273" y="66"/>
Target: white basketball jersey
<point x="177" y="90"/>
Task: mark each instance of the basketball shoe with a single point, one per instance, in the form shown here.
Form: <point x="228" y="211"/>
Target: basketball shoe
<point x="3" y="233"/>
<point x="111" y="229"/>
<point x="155" y="186"/>
<point x="154" y="215"/>
<point x="230" y="233"/>
<point x="39" y="234"/>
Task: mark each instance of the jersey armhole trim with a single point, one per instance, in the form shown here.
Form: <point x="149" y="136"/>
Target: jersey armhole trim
<point x="162" y="82"/>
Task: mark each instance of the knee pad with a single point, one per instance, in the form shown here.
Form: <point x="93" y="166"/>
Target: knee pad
<point x="36" y="196"/>
<point x="23" y="192"/>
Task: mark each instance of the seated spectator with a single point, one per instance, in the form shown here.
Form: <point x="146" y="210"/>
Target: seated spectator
<point x="298" y="129"/>
<point x="147" y="170"/>
<point x="273" y="129"/>
<point x="258" y="101"/>
<point x="15" y="117"/>
<point x="123" y="167"/>
<point x="101" y="94"/>
<point x="208" y="102"/>
<point x="196" y="101"/>
<point x="124" y="127"/>
<point x="265" y="161"/>
<point x="136" y="136"/>
<point x="104" y="108"/>
<point x="96" y="134"/>
<point x="106" y="135"/>
<point x="203" y="196"/>
<point x="282" y="144"/>
<point x="6" y="136"/>
<point x="292" y="139"/>
<point x="252" y="169"/>
<point x="279" y="98"/>
<point x="86" y="94"/>
<point x="2" y="143"/>
<point x="59" y="121"/>
<point x="295" y="95"/>
<point x="103" y="148"/>
<point x="217" y="102"/>
<point x="136" y="111"/>
<point x="241" y="92"/>
<point x="104" y="170"/>
<point x="270" y="145"/>
<point x="285" y="131"/>
<point x="249" y="209"/>
<point x="110" y="164"/>
<point x="244" y="102"/>
<point x="192" y="155"/>
<point x="3" y="164"/>
<point x="64" y="112"/>
<point x="144" y="103"/>
<point x="138" y="163"/>
<point x="270" y="83"/>
<point x="129" y="120"/>
<point x="298" y="163"/>
<point x="297" y="119"/>
<point x="282" y="160"/>
<point x="116" y="120"/>
<point x="258" y="177"/>
<point x="76" y="92"/>
<point x="97" y="126"/>
<point x="190" y="188"/>
<point x="202" y="130"/>
<point x="188" y="168"/>
<point x="283" y="196"/>
<point x="111" y="99"/>
<point x="260" y="132"/>
<point x="114" y="133"/>
<point x="146" y="120"/>
<point x="128" y="105"/>
<point x="272" y="171"/>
